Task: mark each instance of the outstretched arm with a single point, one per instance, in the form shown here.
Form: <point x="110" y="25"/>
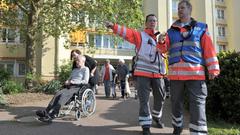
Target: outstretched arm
<point x="128" y="34"/>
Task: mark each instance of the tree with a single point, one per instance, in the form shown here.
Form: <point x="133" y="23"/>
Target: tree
<point x="38" y="19"/>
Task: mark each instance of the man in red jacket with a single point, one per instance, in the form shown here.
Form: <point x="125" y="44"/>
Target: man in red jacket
<point x="149" y="70"/>
<point x="190" y="51"/>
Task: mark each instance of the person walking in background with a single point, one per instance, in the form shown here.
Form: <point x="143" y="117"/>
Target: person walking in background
<point x="190" y="51"/>
<point x="122" y="73"/>
<point x="114" y="85"/>
<point x="149" y="70"/>
<point x="107" y="78"/>
<point x="133" y="77"/>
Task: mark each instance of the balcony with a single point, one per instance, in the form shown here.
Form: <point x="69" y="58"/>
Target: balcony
<point x="110" y="53"/>
<point x="220" y="4"/>
<point x="12" y="51"/>
<point x="115" y="52"/>
<point x="221" y="39"/>
<point x="221" y="22"/>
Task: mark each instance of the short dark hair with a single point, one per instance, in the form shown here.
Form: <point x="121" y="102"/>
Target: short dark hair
<point x="189" y="5"/>
<point x="149" y="16"/>
<point x="75" y="50"/>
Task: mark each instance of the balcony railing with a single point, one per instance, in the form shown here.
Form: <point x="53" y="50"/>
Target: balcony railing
<point x="220" y="4"/>
<point x="222" y="39"/>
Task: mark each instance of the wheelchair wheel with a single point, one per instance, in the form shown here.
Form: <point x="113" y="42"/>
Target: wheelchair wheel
<point x="77" y="114"/>
<point x="88" y="102"/>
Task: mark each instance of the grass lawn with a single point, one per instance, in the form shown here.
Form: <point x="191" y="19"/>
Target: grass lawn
<point x="223" y="128"/>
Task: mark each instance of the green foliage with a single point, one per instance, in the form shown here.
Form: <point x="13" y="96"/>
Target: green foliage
<point x="43" y="18"/>
<point x="64" y="71"/>
<point x="224" y="92"/>
<point x="125" y="12"/>
<point x="51" y="87"/>
<point x="50" y="15"/>
<point x="7" y="86"/>
<point x="223" y="128"/>
<point x="4" y="75"/>
<point x="11" y="87"/>
<point x="30" y="76"/>
<point x="2" y="100"/>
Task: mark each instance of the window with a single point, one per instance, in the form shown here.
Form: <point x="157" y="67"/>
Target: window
<point x="125" y="45"/>
<point x="21" y="69"/>
<point x="106" y="40"/>
<point x="8" y="35"/>
<point x="79" y="17"/>
<point x="221" y="48"/>
<point x="13" y="67"/>
<point x="98" y="42"/>
<point x="1" y="66"/>
<point x="175" y="5"/>
<point x="221" y="31"/>
<point x="10" y="68"/>
<point x="128" y="45"/>
<point x="220" y="13"/>
<point x="112" y="42"/>
<point x="91" y="40"/>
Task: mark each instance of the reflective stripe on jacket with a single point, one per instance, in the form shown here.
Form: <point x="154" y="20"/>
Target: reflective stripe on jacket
<point x="188" y="49"/>
<point x="149" y="59"/>
<point x="135" y="37"/>
<point x="188" y="68"/>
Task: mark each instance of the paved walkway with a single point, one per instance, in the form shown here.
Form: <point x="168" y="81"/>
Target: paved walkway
<point x="112" y="117"/>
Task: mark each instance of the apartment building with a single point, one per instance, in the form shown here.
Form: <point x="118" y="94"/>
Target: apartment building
<point x="220" y="15"/>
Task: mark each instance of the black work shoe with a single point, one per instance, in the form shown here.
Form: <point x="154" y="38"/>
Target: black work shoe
<point x="159" y="123"/>
<point x="146" y="131"/>
<point x="45" y="119"/>
<point x="41" y="113"/>
<point x="177" y="131"/>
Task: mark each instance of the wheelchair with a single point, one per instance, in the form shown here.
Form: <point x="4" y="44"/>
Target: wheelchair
<point x="83" y="103"/>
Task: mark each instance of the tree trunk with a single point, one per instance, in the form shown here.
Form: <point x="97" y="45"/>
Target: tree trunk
<point x="30" y="46"/>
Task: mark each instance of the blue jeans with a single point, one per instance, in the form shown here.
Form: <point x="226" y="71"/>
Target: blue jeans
<point x="107" y="87"/>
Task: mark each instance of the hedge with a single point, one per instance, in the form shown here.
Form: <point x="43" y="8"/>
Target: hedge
<point x="223" y="100"/>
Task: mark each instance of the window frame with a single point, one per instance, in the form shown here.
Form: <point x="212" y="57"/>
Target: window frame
<point x="221" y="31"/>
<point x="9" y="36"/>
<point x="220" y="13"/>
<point x="15" y="71"/>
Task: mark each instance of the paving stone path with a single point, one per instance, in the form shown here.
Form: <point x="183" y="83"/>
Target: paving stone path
<point x="112" y="117"/>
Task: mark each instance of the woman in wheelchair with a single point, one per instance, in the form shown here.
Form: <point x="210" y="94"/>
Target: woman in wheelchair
<point x="79" y="76"/>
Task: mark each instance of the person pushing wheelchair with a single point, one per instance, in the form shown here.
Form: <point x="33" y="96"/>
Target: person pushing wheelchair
<point x="79" y="76"/>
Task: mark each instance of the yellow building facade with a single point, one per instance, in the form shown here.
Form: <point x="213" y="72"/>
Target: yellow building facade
<point x="220" y="15"/>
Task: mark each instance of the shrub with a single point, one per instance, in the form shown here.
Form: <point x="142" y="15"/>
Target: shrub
<point x="4" y="76"/>
<point x="51" y="87"/>
<point x="64" y="71"/>
<point x="11" y="87"/>
<point x="224" y="92"/>
<point x="2" y="100"/>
